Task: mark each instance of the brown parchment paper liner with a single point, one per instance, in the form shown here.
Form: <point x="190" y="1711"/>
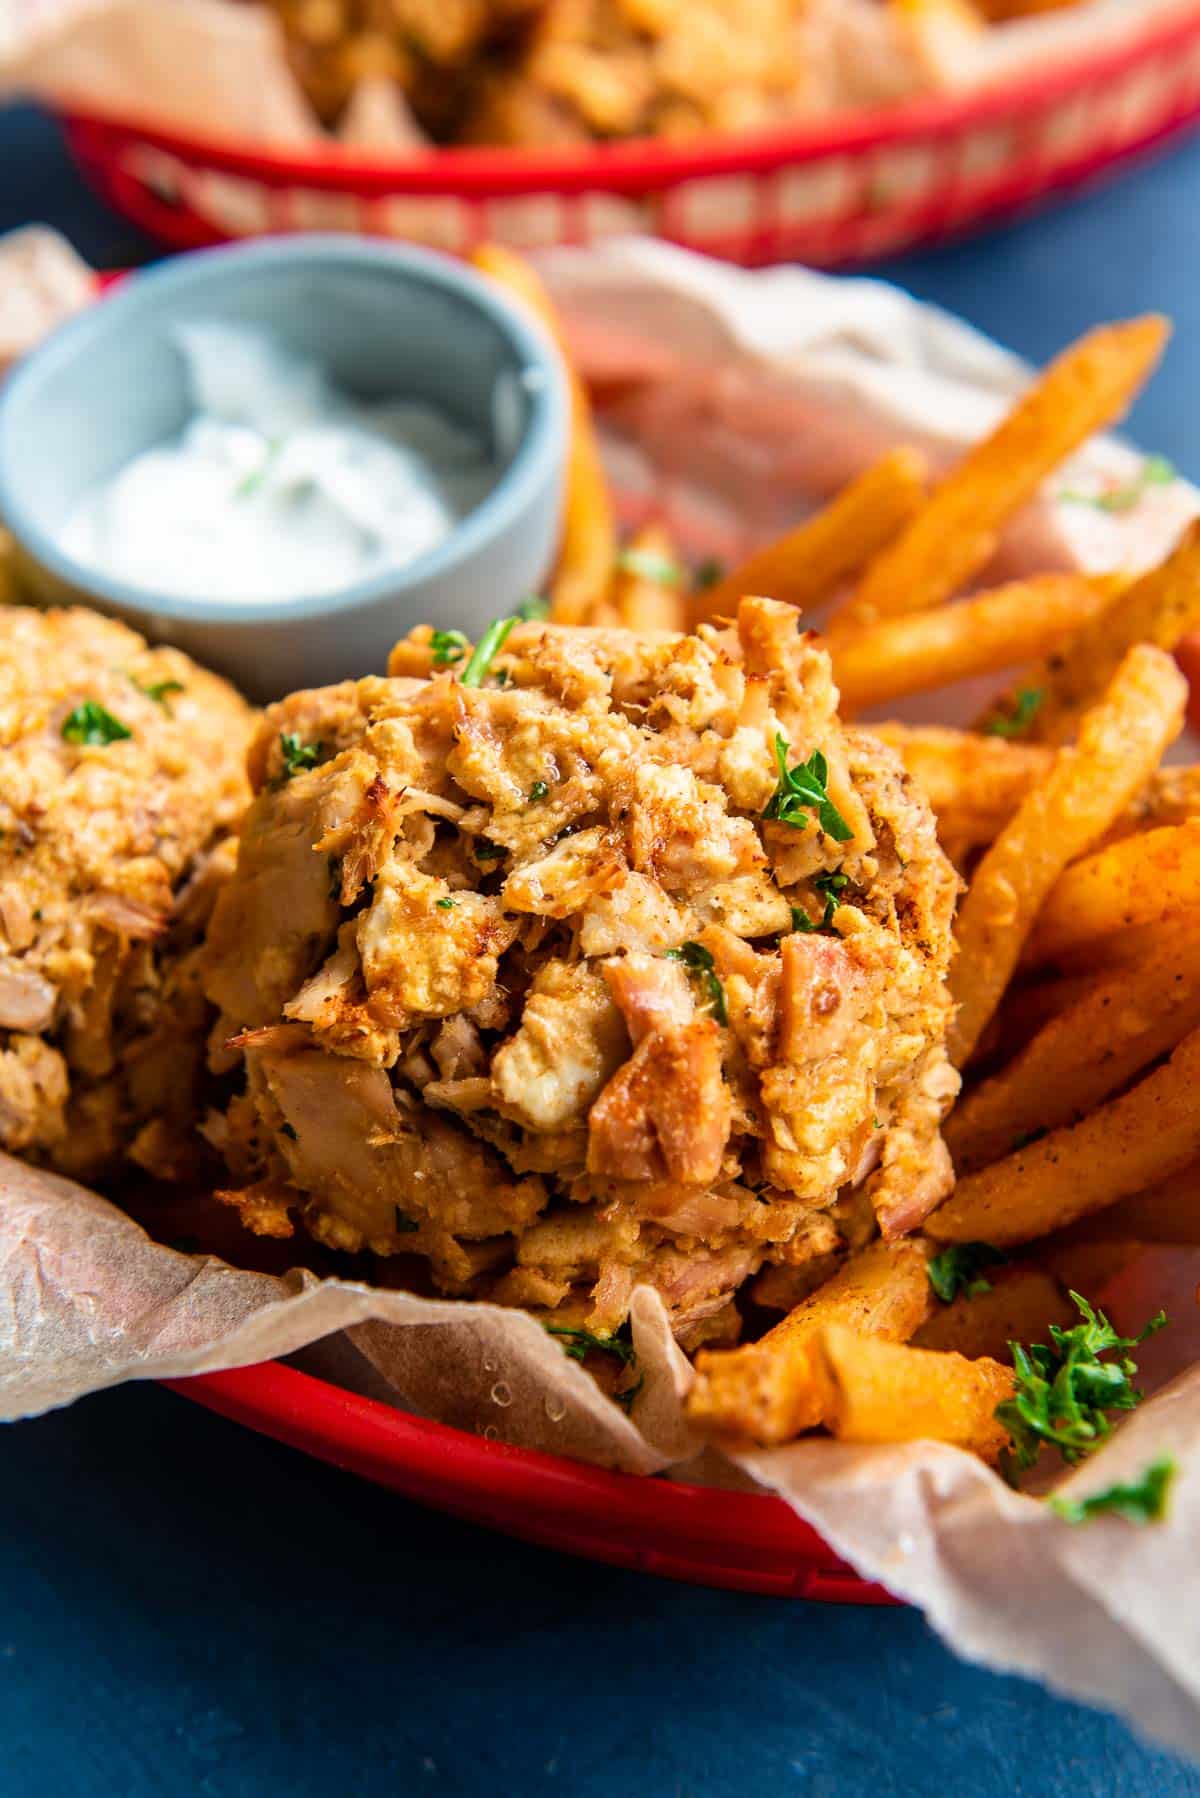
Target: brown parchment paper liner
<point x="736" y="392"/>
<point x="219" y="68"/>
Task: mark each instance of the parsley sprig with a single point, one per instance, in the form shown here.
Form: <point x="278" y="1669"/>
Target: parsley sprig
<point x="1140" y="1501"/>
<point x="830" y="887"/>
<point x="960" y="1269"/>
<point x="159" y="691"/>
<point x="1065" y="1390"/>
<point x="92" y="725"/>
<point x="1016" y="721"/>
<point x="578" y="1344"/>
<point x="297" y="754"/>
<point x="802" y="788"/>
<point x="496" y="636"/>
<point x="648" y="565"/>
<point x="699" y="963"/>
<point x="448" y="647"/>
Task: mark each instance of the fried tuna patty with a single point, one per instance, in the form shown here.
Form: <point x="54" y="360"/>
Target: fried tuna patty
<point x="121" y="777"/>
<point x="624" y="965"/>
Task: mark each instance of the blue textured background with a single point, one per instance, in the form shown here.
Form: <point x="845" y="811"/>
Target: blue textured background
<point x="185" y="1608"/>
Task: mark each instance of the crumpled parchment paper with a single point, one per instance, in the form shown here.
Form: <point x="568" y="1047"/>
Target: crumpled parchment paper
<point x="220" y="68"/>
<point x="818" y="371"/>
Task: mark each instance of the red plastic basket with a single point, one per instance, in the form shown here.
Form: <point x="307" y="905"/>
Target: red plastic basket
<point x="829" y="192"/>
<point x="696" y="1533"/>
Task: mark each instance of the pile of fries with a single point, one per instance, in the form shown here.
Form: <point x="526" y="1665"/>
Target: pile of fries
<point x="544" y="72"/>
<point x="1076" y="1138"/>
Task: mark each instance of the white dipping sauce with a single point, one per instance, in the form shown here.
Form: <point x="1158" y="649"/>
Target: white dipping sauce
<point x="280" y="485"/>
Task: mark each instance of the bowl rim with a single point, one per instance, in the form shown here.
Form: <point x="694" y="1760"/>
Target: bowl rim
<point x="540" y="453"/>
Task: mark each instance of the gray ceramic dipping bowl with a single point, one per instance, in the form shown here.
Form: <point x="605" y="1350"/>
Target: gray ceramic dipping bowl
<point x="386" y="323"/>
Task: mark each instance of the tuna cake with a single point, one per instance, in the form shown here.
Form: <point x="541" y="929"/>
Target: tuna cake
<point x="121" y="779"/>
<point x="608" y="959"/>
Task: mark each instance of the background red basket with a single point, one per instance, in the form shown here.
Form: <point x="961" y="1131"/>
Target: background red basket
<point x="832" y="192"/>
<point x="711" y="1537"/>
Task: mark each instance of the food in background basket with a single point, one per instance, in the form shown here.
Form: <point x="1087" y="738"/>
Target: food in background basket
<point x="121" y="780"/>
<point x="545" y="72"/>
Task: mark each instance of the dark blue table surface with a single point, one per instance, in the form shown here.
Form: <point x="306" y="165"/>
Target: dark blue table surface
<point x="186" y="1608"/>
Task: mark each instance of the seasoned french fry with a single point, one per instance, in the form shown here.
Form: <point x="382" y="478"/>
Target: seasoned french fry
<point x="1018" y="1306"/>
<point x="647" y="589"/>
<point x="1170" y="796"/>
<point x="587" y="552"/>
<point x="764" y="1392"/>
<point x="974" y="783"/>
<point x="1119" y="1026"/>
<point x="824" y="552"/>
<point x="1139" y="881"/>
<point x="875" y="1391"/>
<point x="956" y="532"/>
<point x="1161" y="607"/>
<point x="1120" y="743"/>
<point x="1168" y="1211"/>
<point x="994" y="630"/>
<point x="1122" y="1147"/>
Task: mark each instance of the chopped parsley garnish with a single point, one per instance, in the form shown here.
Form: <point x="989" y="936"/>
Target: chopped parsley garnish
<point x="648" y="565"/>
<point x="405" y="1225"/>
<point x="537" y="791"/>
<point x="578" y="1344"/>
<point x="1016" y="722"/>
<point x="708" y="573"/>
<point x="699" y="963"/>
<point x="802" y="787"/>
<point x="297" y="755"/>
<point x="960" y="1269"/>
<point x="495" y="637"/>
<point x="251" y="482"/>
<point x="92" y="725"/>
<point x="488" y="852"/>
<point x="448" y="648"/>
<point x="1065" y="1391"/>
<point x="830" y="887"/>
<point x="444" y="904"/>
<point x="1155" y="471"/>
<point x="1141" y="1501"/>
<point x="487" y="649"/>
<point x="160" y="690"/>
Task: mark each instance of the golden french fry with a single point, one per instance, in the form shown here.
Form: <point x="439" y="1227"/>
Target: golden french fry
<point x="1139" y="881"/>
<point x="875" y="1391"/>
<point x="1120" y="1024"/>
<point x="813" y="561"/>
<point x="648" y="587"/>
<point x="1125" y="1145"/>
<point x="1161" y="607"/>
<point x="1168" y="1211"/>
<point x="1170" y="796"/>
<point x="994" y="630"/>
<point x="956" y="532"/>
<point x="764" y="1392"/>
<point x="973" y="783"/>
<point x="1120" y="743"/>
<point x="1019" y="1306"/>
<point x="587" y="552"/>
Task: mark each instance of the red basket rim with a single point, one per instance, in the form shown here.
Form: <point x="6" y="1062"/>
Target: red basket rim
<point x="713" y="1535"/>
<point x="648" y="161"/>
